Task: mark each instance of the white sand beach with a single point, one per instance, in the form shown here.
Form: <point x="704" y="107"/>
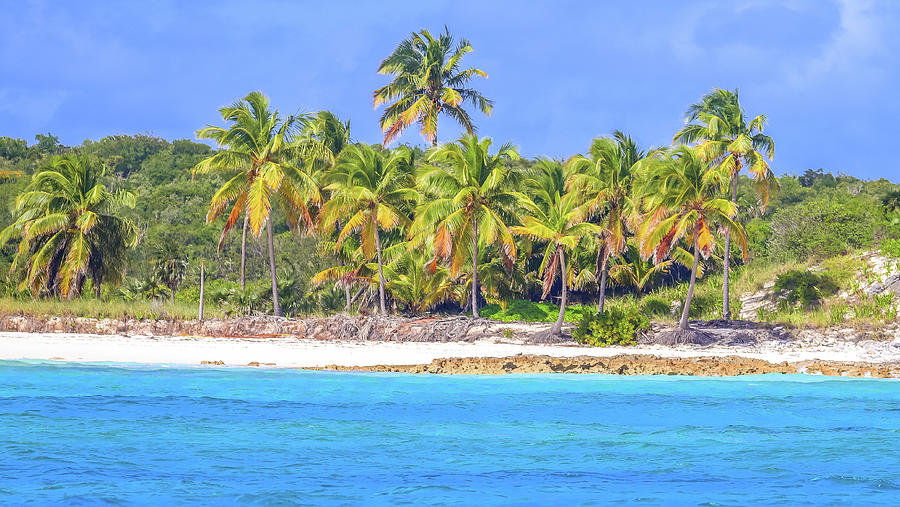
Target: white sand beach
<point x="288" y="351"/>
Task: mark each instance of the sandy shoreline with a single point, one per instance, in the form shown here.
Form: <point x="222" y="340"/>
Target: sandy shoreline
<point x="291" y="352"/>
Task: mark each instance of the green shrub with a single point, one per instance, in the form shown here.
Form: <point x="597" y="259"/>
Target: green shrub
<point x="804" y="287"/>
<point x="529" y="311"/>
<point x="837" y="313"/>
<point x="655" y="306"/>
<point x="823" y="227"/>
<point x="890" y="248"/>
<point x="615" y="326"/>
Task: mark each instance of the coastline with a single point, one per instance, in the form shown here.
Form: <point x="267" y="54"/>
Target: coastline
<point x="492" y="355"/>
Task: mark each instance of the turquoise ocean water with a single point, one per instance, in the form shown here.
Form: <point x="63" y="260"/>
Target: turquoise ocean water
<point x="88" y="434"/>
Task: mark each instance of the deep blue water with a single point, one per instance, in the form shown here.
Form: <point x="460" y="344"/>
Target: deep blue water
<point x="119" y="434"/>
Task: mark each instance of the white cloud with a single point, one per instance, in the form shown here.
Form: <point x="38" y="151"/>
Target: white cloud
<point x="852" y="51"/>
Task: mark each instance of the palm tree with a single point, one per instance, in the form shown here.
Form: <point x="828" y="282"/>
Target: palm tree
<point x="467" y="201"/>
<point x="411" y="282"/>
<point x="170" y="264"/>
<point x="375" y="189"/>
<point x="326" y="128"/>
<point x="681" y="201"/>
<point x="558" y="219"/>
<point x="351" y="269"/>
<point x="633" y="271"/>
<point x="261" y="147"/>
<point x="428" y="82"/>
<point x="70" y="227"/>
<point x="718" y="124"/>
<point x="605" y="180"/>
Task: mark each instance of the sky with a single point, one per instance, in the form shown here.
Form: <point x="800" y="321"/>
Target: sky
<point x="825" y="73"/>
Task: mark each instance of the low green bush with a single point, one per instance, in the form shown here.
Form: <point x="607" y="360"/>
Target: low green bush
<point x="529" y="311"/>
<point x="804" y="287"/>
<point x="615" y="326"/>
<point x="890" y="248"/>
<point x="655" y="306"/>
<point x="824" y="227"/>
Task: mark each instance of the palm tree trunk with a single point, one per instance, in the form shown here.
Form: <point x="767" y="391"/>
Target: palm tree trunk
<point x="202" y="290"/>
<point x="683" y="324"/>
<point x="602" y="302"/>
<point x="475" y="268"/>
<point x="275" y="304"/>
<point x="244" y="249"/>
<point x="556" y="330"/>
<point x="172" y="295"/>
<point x="380" y="271"/>
<point x="347" y="295"/>
<point x="726" y="260"/>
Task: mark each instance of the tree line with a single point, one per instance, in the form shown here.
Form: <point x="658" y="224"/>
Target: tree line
<point x="461" y="222"/>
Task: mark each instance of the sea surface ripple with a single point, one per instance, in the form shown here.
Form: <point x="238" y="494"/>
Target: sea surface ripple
<point x="86" y="434"/>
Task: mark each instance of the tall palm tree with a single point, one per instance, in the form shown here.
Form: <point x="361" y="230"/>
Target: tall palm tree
<point x="261" y="146"/>
<point x="428" y="82"/>
<point x="682" y="202"/>
<point x="70" y="226"/>
<point x="718" y="125"/>
<point x="375" y="189"/>
<point x="605" y="180"/>
<point x="171" y="264"/>
<point x="467" y="201"/>
<point x="558" y="219"/>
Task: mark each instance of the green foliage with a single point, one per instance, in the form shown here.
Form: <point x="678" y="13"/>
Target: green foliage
<point x="817" y="179"/>
<point x="428" y="81"/>
<point x="13" y="148"/>
<point x="468" y="200"/>
<point x="69" y="227"/>
<point x="615" y="326"/>
<point x="804" y="287"/>
<point x="837" y="313"/>
<point x="529" y="311"/>
<point x="823" y="227"/>
<point x="890" y="248"/>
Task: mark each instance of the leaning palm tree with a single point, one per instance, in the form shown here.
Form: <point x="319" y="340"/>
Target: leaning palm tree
<point x="70" y="226"/>
<point x="375" y="189"/>
<point x="467" y="202"/>
<point x="559" y="220"/>
<point x="682" y="202"/>
<point x="261" y="146"/>
<point x="428" y="82"/>
<point x="718" y="125"/>
<point x="605" y="180"/>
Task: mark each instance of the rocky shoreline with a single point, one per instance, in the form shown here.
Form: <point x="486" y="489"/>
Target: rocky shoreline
<point x="335" y="327"/>
<point x="633" y="364"/>
<point x="450" y="345"/>
<point x="413" y="329"/>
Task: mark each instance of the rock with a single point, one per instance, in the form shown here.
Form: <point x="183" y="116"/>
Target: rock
<point x="719" y="332"/>
<point x="675" y="308"/>
<point x="215" y="363"/>
<point x="631" y="364"/>
<point x="890" y="284"/>
<point x="752" y="303"/>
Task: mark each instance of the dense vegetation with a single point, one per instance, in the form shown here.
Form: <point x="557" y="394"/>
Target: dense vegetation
<point x="466" y="226"/>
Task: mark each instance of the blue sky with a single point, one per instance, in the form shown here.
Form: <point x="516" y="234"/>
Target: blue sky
<point x="561" y="73"/>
